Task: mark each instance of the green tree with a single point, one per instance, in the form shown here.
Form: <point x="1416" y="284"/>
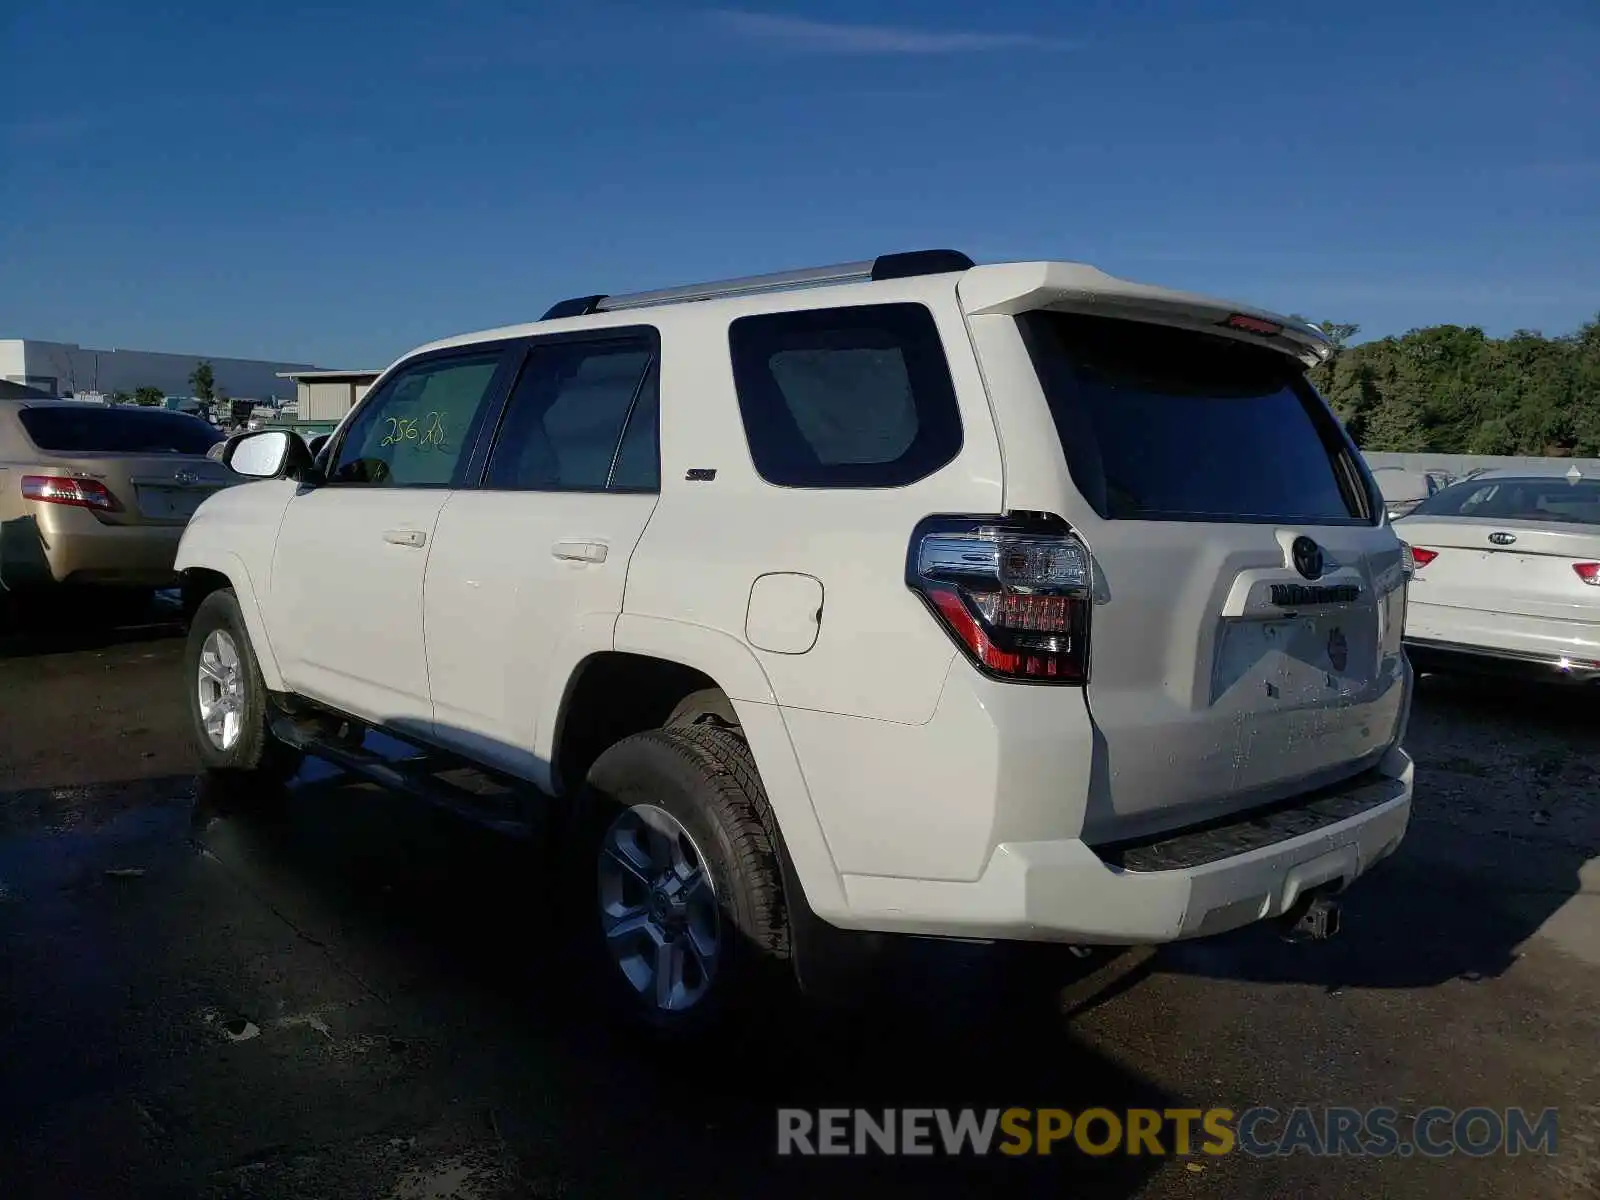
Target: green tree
<point x="204" y="382"/>
<point x="1397" y="424"/>
<point x="1453" y="389"/>
<point x="1584" y="347"/>
<point x="1341" y="380"/>
<point x="150" y="397"/>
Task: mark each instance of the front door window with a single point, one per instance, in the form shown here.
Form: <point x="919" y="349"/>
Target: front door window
<point x="418" y="430"/>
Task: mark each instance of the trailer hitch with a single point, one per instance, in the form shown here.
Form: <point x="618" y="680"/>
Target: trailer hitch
<point x="1312" y="918"/>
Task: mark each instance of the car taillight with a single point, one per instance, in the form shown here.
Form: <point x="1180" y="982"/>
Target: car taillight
<point x="63" y="489"/>
<point x="1416" y="557"/>
<point x="1588" y="572"/>
<point x="1014" y="593"/>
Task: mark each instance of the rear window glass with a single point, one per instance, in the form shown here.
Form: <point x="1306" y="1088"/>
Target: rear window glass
<point x="1567" y="502"/>
<point x="92" y="429"/>
<point x="845" y="397"/>
<point x="1162" y="424"/>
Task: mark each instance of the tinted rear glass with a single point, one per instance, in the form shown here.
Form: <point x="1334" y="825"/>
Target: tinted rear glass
<point x="856" y="397"/>
<point x="1534" y="499"/>
<point x="1167" y="424"/>
<point x="121" y="431"/>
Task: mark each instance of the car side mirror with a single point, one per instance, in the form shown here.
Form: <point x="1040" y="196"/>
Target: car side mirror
<point x="268" y="454"/>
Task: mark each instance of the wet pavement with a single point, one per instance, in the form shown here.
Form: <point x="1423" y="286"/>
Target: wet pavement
<point x="344" y="995"/>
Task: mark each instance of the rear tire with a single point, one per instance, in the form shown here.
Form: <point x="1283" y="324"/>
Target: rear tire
<point x="228" y="706"/>
<point x="679" y="902"/>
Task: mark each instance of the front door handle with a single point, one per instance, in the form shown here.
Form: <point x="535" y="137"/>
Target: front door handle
<point x="594" y="552"/>
<point x="405" y="537"/>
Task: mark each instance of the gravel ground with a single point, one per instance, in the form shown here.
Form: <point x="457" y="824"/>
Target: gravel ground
<point x="348" y="996"/>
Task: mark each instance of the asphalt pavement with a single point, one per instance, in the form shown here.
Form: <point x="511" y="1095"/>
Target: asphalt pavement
<point x="342" y="994"/>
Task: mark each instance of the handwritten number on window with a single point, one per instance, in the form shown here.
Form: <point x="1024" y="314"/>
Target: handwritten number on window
<point x="428" y="434"/>
<point x="433" y="431"/>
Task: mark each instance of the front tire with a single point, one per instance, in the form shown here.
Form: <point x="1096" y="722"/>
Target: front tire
<point x="228" y="708"/>
<point x="680" y="894"/>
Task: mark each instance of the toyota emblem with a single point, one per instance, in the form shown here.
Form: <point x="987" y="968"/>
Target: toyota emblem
<point x="1307" y="557"/>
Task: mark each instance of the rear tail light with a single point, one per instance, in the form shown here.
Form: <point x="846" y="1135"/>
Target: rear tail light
<point x="64" y="489"/>
<point x="1415" y="557"/>
<point x="1588" y="572"/>
<point x="1013" y="593"/>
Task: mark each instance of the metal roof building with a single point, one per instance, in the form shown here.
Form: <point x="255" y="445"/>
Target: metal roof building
<point x="327" y="395"/>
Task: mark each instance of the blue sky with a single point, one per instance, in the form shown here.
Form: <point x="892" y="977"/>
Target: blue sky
<point x="337" y="185"/>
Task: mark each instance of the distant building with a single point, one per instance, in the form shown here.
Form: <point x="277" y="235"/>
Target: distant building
<point x="67" y="369"/>
<point x="328" y="395"/>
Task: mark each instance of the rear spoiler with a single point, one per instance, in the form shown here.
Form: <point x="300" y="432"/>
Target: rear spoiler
<point x="1012" y="288"/>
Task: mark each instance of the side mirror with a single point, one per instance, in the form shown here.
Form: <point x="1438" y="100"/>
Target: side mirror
<point x="316" y="444"/>
<point x="267" y="454"/>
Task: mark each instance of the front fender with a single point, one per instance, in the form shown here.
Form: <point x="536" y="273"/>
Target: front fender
<point x="233" y="527"/>
<point x="227" y="563"/>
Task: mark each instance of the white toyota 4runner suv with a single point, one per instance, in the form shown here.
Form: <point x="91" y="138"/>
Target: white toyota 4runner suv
<point x="911" y="596"/>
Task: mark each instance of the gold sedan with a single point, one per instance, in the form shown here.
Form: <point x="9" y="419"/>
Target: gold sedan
<point x="95" y="495"/>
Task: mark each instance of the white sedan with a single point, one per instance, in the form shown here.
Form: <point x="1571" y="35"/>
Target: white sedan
<point x="1507" y="575"/>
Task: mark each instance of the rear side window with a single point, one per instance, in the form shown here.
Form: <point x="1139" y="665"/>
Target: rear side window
<point x="93" y="430"/>
<point x="1531" y="499"/>
<point x="845" y="397"/>
<point x="1162" y="424"/>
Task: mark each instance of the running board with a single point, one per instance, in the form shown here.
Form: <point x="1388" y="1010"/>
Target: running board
<point x="416" y="776"/>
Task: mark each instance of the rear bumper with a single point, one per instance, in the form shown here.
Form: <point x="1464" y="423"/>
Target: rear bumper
<point x="1066" y="891"/>
<point x="70" y="546"/>
<point x="1427" y="654"/>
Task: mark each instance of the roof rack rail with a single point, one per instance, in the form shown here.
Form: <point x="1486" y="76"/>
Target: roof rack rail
<point x="885" y="266"/>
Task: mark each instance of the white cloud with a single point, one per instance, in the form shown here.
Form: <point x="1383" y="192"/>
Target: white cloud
<point x="832" y="37"/>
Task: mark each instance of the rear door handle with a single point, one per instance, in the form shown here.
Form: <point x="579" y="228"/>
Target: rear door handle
<point x="594" y="552"/>
<point x="405" y="537"/>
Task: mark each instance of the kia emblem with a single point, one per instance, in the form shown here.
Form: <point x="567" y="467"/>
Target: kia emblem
<point x="1307" y="557"/>
<point x="1502" y="539"/>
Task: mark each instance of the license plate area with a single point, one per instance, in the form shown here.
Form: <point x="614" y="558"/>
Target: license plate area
<point x="170" y="503"/>
<point x="1296" y="661"/>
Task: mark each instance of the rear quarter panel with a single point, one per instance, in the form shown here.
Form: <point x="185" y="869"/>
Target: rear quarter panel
<point x="879" y="661"/>
<point x="877" y="654"/>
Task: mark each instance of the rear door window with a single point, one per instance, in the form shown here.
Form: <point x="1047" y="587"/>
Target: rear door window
<point x="94" y="430"/>
<point x="1163" y="424"/>
<point x="581" y="418"/>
